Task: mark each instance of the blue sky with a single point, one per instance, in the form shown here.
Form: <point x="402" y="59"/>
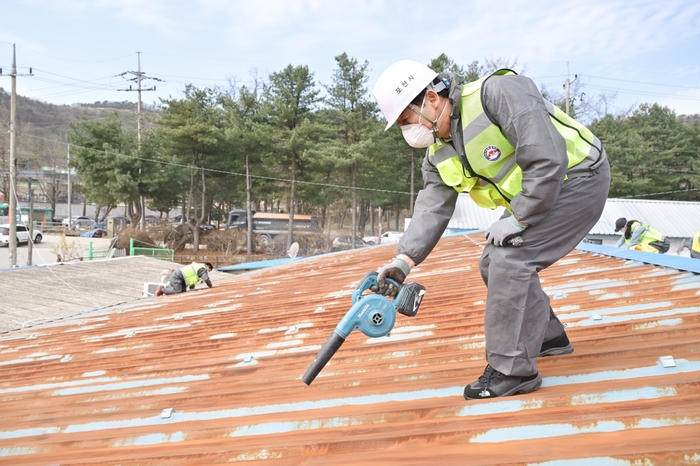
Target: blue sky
<point x="644" y="51"/>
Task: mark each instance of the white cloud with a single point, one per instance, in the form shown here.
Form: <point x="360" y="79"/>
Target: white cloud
<point x="214" y="38"/>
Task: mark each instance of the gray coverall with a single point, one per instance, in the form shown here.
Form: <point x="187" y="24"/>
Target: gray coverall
<point x="559" y="212"/>
<point x="176" y="282"/>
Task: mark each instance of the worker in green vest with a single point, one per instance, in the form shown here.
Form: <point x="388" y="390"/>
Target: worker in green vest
<point x="636" y="233"/>
<point x="186" y="277"/>
<point x="692" y="244"/>
<point x="500" y="141"/>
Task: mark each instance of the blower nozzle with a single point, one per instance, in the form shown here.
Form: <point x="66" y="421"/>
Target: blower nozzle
<point x="324" y="355"/>
<point x="374" y="315"/>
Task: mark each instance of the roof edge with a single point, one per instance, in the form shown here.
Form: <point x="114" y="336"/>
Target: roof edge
<point x="676" y="262"/>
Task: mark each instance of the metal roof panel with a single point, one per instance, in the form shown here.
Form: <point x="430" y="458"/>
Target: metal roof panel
<point x="213" y="377"/>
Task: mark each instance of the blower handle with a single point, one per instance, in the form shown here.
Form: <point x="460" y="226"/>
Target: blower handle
<point x="324" y="355"/>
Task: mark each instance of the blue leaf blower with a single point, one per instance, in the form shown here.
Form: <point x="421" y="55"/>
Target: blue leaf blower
<point x="373" y="314"/>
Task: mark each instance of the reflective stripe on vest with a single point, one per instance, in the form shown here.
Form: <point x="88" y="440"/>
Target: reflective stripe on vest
<point x="648" y="236"/>
<point x="190" y="273"/>
<point x="490" y="154"/>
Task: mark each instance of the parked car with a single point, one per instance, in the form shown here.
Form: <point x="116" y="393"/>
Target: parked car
<point x="391" y="237"/>
<point x="206" y="226"/>
<point x="371" y="240"/>
<point x="75" y="218"/>
<point x="22" y="235"/>
<point x="341" y="243"/>
<point x="82" y="224"/>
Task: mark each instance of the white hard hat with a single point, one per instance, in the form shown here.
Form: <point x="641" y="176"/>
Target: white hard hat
<point x="398" y="85"/>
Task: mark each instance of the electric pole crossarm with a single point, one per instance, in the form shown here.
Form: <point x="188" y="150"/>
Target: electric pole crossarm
<point x="139" y="76"/>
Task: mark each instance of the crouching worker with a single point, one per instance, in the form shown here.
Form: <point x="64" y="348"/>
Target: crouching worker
<point x="500" y="141"/>
<point x="185" y="277"/>
<point x="640" y="236"/>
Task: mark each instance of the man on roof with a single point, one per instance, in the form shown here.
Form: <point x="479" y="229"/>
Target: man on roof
<point x="500" y="141"/>
<point x="186" y="277"/>
<point x="692" y="244"/>
<point x="640" y="236"/>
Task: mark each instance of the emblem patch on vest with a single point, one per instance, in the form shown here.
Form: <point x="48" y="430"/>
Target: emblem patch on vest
<point x="492" y="153"/>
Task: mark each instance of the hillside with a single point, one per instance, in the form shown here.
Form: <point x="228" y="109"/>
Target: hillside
<point x="48" y="120"/>
<point x="690" y="119"/>
<point x="42" y="129"/>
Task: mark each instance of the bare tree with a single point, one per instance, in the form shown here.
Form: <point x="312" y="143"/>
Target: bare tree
<point x="497" y="63"/>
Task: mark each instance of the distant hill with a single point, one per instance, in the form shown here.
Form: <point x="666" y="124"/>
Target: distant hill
<point x="42" y="127"/>
<point x="41" y="134"/>
<point x="690" y="119"/>
<point x="43" y="119"/>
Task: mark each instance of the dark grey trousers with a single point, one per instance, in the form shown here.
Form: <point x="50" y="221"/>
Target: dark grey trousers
<point x="518" y="315"/>
<point x="176" y="283"/>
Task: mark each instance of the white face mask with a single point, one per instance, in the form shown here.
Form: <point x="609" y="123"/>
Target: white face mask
<point x="417" y="135"/>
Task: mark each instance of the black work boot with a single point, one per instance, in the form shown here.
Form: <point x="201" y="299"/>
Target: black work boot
<point x="493" y="384"/>
<point x="559" y="345"/>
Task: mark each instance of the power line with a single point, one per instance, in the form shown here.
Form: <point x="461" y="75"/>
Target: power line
<point x="224" y="172"/>
<point x="68" y="77"/>
<point x="678" y="191"/>
<point x="657" y="169"/>
<point x="642" y="82"/>
<point x="642" y="93"/>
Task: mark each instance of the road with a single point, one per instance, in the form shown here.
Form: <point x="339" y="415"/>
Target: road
<point x="45" y="252"/>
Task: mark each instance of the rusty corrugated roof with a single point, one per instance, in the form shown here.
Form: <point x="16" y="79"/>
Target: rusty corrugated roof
<point x="228" y="361"/>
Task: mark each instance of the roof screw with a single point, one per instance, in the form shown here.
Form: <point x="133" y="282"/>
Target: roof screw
<point x="129" y="335"/>
<point x="67" y="358"/>
<point x="292" y="329"/>
<point x="319" y="309"/>
<point x="248" y="359"/>
<point x="167" y="413"/>
<point x="596" y="317"/>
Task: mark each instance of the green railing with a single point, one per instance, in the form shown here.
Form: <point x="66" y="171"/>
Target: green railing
<point x="157" y="253"/>
<point x="93" y="253"/>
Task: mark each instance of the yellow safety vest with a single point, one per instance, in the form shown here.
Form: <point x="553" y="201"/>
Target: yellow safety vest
<point x="495" y="178"/>
<point x="696" y="242"/>
<point x="647" y="237"/>
<point x="190" y="273"/>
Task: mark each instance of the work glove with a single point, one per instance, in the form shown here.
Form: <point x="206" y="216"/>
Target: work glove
<point x="503" y="231"/>
<point x="397" y="271"/>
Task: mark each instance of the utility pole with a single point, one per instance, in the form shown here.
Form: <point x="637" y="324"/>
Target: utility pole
<point x="138" y="77"/>
<point x="70" y="192"/>
<point x="12" y="211"/>
<point x="30" y="227"/>
<point x="567" y="87"/>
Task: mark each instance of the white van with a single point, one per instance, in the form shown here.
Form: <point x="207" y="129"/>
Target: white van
<point x="390" y="237"/>
<point x="22" y="235"/>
